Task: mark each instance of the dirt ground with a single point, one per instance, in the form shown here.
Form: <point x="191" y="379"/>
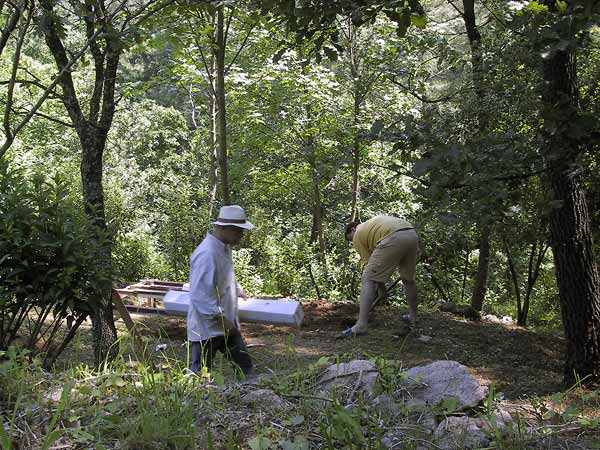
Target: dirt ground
<point x="516" y="361"/>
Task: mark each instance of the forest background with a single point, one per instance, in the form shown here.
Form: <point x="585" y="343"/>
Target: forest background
<point x="127" y="124"/>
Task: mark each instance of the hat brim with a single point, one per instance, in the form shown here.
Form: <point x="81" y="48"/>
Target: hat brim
<point x="246" y="225"/>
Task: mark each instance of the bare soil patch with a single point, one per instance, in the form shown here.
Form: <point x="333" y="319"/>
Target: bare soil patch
<point x="516" y="361"/>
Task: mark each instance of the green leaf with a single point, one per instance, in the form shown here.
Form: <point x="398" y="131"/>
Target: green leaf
<point x="323" y="361"/>
<point x="419" y="21"/>
<point x="536" y="7"/>
<point x="561" y="5"/>
<point x="219" y="378"/>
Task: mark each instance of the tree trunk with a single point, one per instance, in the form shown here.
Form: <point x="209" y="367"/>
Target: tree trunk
<point x="465" y="271"/>
<point x="481" y="276"/>
<point x="212" y="174"/>
<point x="571" y="238"/>
<point x="93" y="140"/>
<point x="514" y="276"/>
<point x="483" y="266"/>
<point x="316" y="234"/>
<point x="355" y="162"/>
<point x="358" y="97"/>
<point x="221" y="110"/>
<point x="318" y="217"/>
<point x="92" y="132"/>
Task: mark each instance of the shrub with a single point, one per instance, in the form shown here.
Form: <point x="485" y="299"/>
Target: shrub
<point x="47" y="262"/>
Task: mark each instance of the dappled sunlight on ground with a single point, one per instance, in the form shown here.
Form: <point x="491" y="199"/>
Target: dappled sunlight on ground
<point x="513" y="360"/>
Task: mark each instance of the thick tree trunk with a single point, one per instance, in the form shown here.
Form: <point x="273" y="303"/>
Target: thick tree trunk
<point x="92" y="131"/>
<point x="483" y="266"/>
<point x="571" y="238"/>
<point x="103" y="327"/>
<point x="221" y="109"/>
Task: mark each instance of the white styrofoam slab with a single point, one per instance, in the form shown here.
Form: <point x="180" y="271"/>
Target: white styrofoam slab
<point x="276" y="312"/>
<point x="177" y="301"/>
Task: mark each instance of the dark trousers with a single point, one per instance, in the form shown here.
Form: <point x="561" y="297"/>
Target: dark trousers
<point x="232" y="346"/>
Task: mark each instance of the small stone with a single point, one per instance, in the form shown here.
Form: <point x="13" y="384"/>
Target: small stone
<point x="265" y="399"/>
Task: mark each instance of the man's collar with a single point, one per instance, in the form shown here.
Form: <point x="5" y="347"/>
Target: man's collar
<point x="216" y="239"/>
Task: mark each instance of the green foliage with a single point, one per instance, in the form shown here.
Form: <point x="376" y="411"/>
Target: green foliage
<point x="153" y="200"/>
<point x="161" y="417"/>
<point x="408" y="103"/>
<point x="246" y="273"/>
<point x="18" y="375"/>
<point x="48" y="271"/>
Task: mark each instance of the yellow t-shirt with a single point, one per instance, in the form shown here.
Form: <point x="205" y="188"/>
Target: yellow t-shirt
<point x="369" y="233"/>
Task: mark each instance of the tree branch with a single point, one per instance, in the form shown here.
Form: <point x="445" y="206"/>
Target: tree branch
<point x="227" y="25"/>
<point x="13" y="76"/>
<point x="91" y="19"/>
<point x="144" y="17"/>
<point x="456" y="8"/>
<point x="64" y="70"/>
<point x="11" y="23"/>
<point x="243" y="44"/>
<point x="52" y="119"/>
<point x="209" y="73"/>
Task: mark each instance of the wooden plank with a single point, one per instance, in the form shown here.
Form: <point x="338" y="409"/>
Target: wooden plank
<point x="149" y="310"/>
<point x="122" y="310"/>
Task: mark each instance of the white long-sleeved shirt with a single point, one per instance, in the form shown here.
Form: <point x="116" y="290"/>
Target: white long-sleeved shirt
<point x="213" y="290"/>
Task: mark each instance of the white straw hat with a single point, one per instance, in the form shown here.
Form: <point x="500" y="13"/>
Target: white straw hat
<point x="233" y="215"/>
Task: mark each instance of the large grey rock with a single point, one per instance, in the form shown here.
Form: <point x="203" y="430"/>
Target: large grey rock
<point x="442" y="380"/>
<point x="350" y="379"/>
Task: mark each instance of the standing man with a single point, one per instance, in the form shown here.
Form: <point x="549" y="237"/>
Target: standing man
<point x="212" y="319"/>
<point x="384" y="243"/>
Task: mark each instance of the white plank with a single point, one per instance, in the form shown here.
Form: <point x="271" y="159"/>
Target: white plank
<point x="275" y="312"/>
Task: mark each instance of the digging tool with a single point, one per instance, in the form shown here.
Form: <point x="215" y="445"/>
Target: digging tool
<point x="382" y="295"/>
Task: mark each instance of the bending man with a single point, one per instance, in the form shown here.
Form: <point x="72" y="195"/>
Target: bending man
<point x="384" y="243"/>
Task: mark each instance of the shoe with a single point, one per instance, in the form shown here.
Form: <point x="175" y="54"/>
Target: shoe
<point x="349" y="332"/>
